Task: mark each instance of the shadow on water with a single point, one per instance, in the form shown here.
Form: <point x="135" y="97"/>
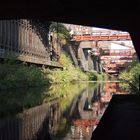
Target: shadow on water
<point x="60" y="112"/>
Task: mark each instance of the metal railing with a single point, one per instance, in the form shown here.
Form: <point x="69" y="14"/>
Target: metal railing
<point x="24" y="40"/>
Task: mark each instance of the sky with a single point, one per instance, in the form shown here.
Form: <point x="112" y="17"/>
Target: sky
<point x="103" y="29"/>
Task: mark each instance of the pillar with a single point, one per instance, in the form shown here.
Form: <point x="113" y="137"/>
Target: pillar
<point x="94" y="63"/>
<point x="97" y="66"/>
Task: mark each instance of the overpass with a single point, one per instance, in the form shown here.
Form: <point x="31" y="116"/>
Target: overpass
<point x="91" y="53"/>
<point x="101" y="37"/>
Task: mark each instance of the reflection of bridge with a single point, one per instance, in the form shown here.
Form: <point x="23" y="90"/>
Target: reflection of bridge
<point x="34" y="123"/>
<point x="90" y="109"/>
<point x="110" y="89"/>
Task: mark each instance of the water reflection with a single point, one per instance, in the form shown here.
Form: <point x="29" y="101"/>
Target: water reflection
<point x="110" y="89"/>
<point x="88" y="110"/>
<point x="62" y="112"/>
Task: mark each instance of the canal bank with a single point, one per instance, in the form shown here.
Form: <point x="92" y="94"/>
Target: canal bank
<point x="121" y="119"/>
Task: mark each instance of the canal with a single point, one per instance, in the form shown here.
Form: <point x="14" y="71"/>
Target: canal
<point x="60" y="112"/>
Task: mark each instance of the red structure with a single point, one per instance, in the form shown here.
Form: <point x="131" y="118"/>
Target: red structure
<point x="85" y="123"/>
<point x="85" y="126"/>
<point x="101" y="37"/>
<point x="117" y="60"/>
<point x="114" y="59"/>
<point x="110" y="89"/>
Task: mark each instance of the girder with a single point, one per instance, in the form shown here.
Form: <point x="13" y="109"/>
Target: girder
<point x="108" y="37"/>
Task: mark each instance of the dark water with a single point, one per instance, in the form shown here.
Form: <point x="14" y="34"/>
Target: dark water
<point x="62" y="112"/>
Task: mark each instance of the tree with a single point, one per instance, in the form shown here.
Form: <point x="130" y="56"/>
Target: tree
<point x="63" y="34"/>
<point x="131" y="77"/>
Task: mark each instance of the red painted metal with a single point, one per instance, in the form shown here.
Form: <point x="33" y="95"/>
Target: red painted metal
<point x="108" y="37"/>
<point x="121" y="53"/>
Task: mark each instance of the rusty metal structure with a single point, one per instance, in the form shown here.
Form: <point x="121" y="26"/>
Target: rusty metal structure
<point x="27" y="40"/>
<point x="116" y="60"/>
<point x="101" y="37"/>
<point x="91" y="54"/>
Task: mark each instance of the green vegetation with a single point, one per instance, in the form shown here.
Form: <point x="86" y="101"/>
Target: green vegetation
<point x="131" y="78"/>
<point x="14" y="75"/>
<point x="95" y="76"/>
<point x="68" y="74"/>
<point x="61" y="32"/>
<point x="64" y="91"/>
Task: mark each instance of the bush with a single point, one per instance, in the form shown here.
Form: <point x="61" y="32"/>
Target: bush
<point x="94" y="76"/>
<point x="19" y="75"/>
<point x="131" y="77"/>
<point x="105" y="77"/>
<point x="68" y="74"/>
